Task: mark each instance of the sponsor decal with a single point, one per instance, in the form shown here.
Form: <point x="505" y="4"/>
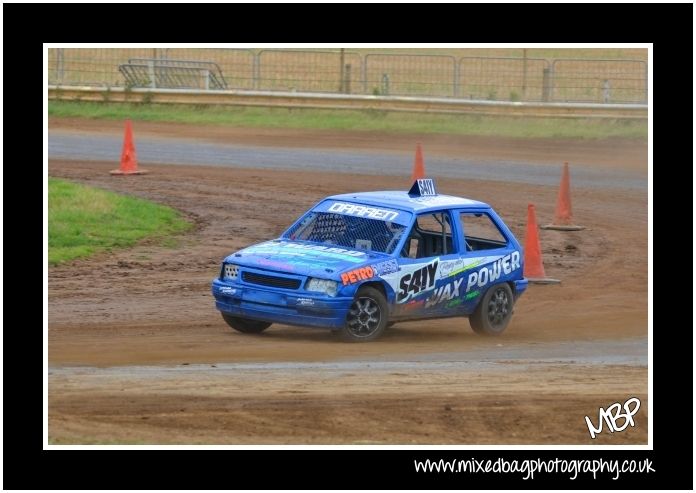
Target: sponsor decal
<point x="463" y="277"/>
<point x="363" y="211"/>
<point x="305" y="301"/>
<point x="353" y="276"/>
<point x="449" y="268"/>
<point x="454" y="303"/>
<point x="227" y="290"/>
<point x="416" y="282"/>
<point x="386" y="267"/>
<point x="472" y="295"/>
<point x="275" y="264"/>
<point x="446" y="292"/>
<point x="322" y="248"/>
<point x="504" y="265"/>
<point x="290" y="249"/>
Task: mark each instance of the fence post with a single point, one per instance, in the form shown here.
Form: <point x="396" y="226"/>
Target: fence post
<point x="256" y="70"/>
<point x="455" y="90"/>
<point x="342" y="63"/>
<point x="60" y="64"/>
<point x="346" y="81"/>
<point x="606" y="91"/>
<point x="363" y="73"/>
<point x="385" y="84"/>
<point x="151" y="73"/>
<point x="546" y="85"/>
<point x="524" y="75"/>
<point x="205" y="73"/>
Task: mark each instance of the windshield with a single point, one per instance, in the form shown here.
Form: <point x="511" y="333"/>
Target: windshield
<point x="347" y="231"/>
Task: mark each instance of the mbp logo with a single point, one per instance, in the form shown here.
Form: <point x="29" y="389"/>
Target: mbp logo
<point x="612" y="414"/>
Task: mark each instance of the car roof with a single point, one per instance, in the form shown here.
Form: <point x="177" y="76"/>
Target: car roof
<point x="402" y="200"/>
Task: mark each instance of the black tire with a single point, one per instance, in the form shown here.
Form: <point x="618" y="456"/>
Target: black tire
<point x="245" y="325"/>
<point x="367" y="318"/>
<point x="493" y="313"/>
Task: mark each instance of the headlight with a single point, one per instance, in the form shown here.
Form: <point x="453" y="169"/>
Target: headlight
<point x="230" y="272"/>
<point x="325" y="286"/>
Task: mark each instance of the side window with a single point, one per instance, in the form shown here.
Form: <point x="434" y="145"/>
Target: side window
<point x="412" y="247"/>
<point x="480" y="232"/>
<point x="430" y="236"/>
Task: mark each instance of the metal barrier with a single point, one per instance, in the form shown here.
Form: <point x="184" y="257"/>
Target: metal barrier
<point x="308" y="70"/>
<point x="172" y="74"/>
<point x="502" y="79"/>
<point x="410" y="75"/>
<point x="384" y="74"/>
<point x="236" y="65"/>
<point x="600" y="81"/>
<point x="100" y="66"/>
<point x="91" y="66"/>
<point x="360" y="102"/>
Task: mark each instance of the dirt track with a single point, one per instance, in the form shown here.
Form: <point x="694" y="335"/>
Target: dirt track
<point x="152" y="306"/>
<point x="628" y="155"/>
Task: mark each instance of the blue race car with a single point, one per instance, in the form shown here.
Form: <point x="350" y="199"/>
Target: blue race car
<point x="360" y="262"/>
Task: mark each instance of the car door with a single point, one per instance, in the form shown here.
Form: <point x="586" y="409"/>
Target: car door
<point x="485" y="257"/>
<point x="420" y="292"/>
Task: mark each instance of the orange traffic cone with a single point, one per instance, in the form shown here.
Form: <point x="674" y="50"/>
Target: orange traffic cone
<point x="418" y="167"/>
<point x="533" y="265"/>
<point x="129" y="159"/>
<point x="564" y="214"/>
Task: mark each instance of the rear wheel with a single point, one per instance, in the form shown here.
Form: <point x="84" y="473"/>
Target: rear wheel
<point x="245" y="325"/>
<point x="367" y="317"/>
<point x="493" y="313"/>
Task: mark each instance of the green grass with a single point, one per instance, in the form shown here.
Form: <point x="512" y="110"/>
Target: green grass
<point x="84" y="220"/>
<point x="356" y="120"/>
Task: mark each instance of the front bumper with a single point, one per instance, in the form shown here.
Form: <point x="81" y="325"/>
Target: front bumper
<point x="280" y="306"/>
<point x="520" y="287"/>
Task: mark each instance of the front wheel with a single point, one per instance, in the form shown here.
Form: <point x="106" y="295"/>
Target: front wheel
<point x="493" y="313"/>
<point x="245" y="325"/>
<point x="367" y="317"/>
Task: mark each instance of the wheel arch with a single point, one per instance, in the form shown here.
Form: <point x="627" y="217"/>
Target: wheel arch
<point x="480" y="319"/>
<point x="381" y="286"/>
<point x="361" y="317"/>
<point x="510" y="283"/>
